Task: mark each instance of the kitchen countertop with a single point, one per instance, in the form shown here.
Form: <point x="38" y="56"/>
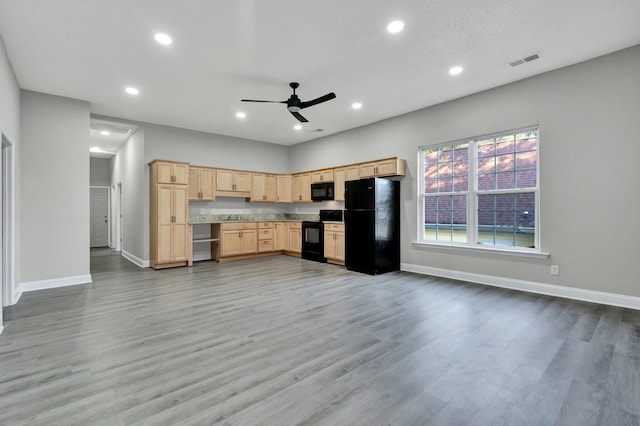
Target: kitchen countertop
<point x="259" y="217"/>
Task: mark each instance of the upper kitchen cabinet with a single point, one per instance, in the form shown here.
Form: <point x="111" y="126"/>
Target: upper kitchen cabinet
<point x="263" y="188"/>
<point x="233" y="183"/>
<point x="381" y="168"/>
<point x="201" y="183"/>
<point x="301" y="188"/>
<point x="171" y="172"/>
<point x="319" y="176"/>
<point x="283" y="188"/>
<point x="351" y="172"/>
<point x="339" y="177"/>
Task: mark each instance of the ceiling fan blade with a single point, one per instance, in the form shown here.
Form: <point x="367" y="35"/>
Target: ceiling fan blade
<point x="299" y="117"/>
<point x="319" y="100"/>
<point x="253" y="100"/>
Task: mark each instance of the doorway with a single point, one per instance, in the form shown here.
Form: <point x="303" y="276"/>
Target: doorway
<point x="99" y="211"/>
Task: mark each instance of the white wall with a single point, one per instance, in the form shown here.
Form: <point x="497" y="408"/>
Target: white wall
<point x="129" y="170"/>
<point x="99" y="171"/>
<point x="10" y="127"/>
<point x="589" y="150"/>
<point x="55" y="200"/>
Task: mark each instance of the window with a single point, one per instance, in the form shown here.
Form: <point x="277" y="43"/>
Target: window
<point x="481" y="191"/>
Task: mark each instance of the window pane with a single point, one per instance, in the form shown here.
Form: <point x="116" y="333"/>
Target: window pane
<point x="430" y="185"/>
<point x="505" y="162"/>
<point x="486" y="148"/>
<point x="486" y="181"/>
<point x="505" y="180"/>
<point x="526" y="160"/>
<point x="526" y="179"/>
<point x="506" y="219"/>
<point x="445" y="218"/>
<point x="445" y="185"/>
<point x="461" y="184"/>
<point x="446" y="168"/>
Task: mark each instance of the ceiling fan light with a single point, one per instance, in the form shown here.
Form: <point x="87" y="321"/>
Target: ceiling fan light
<point x="293" y="108"/>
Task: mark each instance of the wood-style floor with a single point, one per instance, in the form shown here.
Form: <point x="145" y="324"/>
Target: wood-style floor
<point x="283" y="341"/>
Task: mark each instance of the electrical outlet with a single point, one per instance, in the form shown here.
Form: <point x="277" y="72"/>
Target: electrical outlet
<point x="555" y="270"/>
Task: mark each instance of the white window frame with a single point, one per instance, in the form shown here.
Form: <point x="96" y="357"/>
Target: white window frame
<point x="472" y="199"/>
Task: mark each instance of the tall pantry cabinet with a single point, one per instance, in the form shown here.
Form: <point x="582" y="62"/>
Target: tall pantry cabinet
<point x="170" y="231"/>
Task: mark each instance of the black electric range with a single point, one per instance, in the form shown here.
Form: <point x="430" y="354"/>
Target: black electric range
<point x="313" y="235"/>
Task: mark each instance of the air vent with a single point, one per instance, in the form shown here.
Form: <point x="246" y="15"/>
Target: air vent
<point x="525" y="60"/>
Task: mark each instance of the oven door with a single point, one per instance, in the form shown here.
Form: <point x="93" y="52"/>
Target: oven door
<point x="313" y="241"/>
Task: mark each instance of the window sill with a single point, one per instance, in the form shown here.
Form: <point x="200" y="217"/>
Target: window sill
<point x="484" y="249"/>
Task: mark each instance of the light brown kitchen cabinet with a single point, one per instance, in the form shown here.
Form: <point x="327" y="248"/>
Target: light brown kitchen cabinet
<point x="283" y="188"/>
<point x="301" y="188"/>
<point x="387" y="167"/>
<point x="295" y="238"/>
<point x="171" y="172"/>
<point x="201" y="183"/>
<point x="233" y="183"/>
<point x="238" y="239"/>
<point x="334" y="243"/>
<point x="263" y="188"/>
<point x="339" y="177"/>
<point x="280" y="230"/>
<point x="169" y="228"/>
<point x="265" y="237"/>
<point x="319" y="176"/>
<point x="351" y="172"/>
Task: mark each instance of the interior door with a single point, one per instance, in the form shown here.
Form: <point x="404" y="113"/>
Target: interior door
<point x="99" y="210"/>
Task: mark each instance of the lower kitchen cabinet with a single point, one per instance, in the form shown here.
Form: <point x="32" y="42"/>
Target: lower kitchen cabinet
<point x="295" y="238"/>
<point x="265" y="237"/>
<point x="238" y="239"/>
<point x="334" y="243"/>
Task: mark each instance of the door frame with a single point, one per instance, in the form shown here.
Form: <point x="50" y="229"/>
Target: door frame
<point x="119" y="217"/>
<point x="108" y="188"/>
<point x="8" y="243"/>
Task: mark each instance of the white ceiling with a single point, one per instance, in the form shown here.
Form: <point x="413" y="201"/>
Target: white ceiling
<point x="224" y="51"/>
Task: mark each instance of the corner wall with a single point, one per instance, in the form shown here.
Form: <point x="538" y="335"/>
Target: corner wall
<point x="589" y="149"/>
<point x="55" y="198"/>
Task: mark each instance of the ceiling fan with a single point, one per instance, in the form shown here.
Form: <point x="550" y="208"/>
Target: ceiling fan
<point x="294" y="104"/>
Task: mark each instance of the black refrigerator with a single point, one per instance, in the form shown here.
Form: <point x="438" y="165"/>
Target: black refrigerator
<point x="372" y="225"/>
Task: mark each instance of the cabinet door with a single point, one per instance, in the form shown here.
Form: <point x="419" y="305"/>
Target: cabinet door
<point x="194" y="183"/>
<point x="181" y="173"/>
<point x="352" y="172"/>
<point x="243" y="181"/>
<point x="367" y="169"/>
<point x="165" y="172"/>
<point x="180" y="223"/>
<point x="249" y="241"/>
<point x="295" y="240"/>
<point x="270" y="188"/>
<point x="296" y="188"/>
<point x="258" y="187"/>
<point x="329" y="245"/>
<point x="224" y="180"/>
<point x="284" y="188"/>
<point x="164" y="207"/>
<point x="305" y="190"/>
<point x="339" y="246"/>
<point x="278" y="236"/>
<point x="230" y="243"/>
<point x="207" y="179"/>
<point x="386" y="167"/>
<point x="339" y="177"/>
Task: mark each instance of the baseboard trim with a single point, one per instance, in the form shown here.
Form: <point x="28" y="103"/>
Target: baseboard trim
<point x="135" y="259"/>
<point x="201" y="256"/>
<point x="52" y="283"/>
<point x="17" y="295"/>
<point x="602" y="297"/>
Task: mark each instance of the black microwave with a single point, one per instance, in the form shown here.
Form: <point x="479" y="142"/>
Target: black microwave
<point x="322" y="191"/>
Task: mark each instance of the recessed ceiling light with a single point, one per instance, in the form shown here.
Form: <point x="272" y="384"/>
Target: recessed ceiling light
<point x="356" y="105"/>
<point x="455" y="70"/>
<point x="105" y="133"/>
<point x="241" y="115"/>
<point x="395" y="27"/>
<point x="298" y="127"/>
<point x="163" y="38"/>
<point x="132" y="90"/>
<point x="96" y="149"/>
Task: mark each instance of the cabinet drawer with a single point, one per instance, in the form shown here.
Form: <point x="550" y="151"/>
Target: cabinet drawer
<point x="265" y="245"/>
<point x="240" y="226"/>
<point x="265" y="234"/>
<point x="263" y="225"/>
<point x="339" y="227"/>
<point x="295" y="225"/>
